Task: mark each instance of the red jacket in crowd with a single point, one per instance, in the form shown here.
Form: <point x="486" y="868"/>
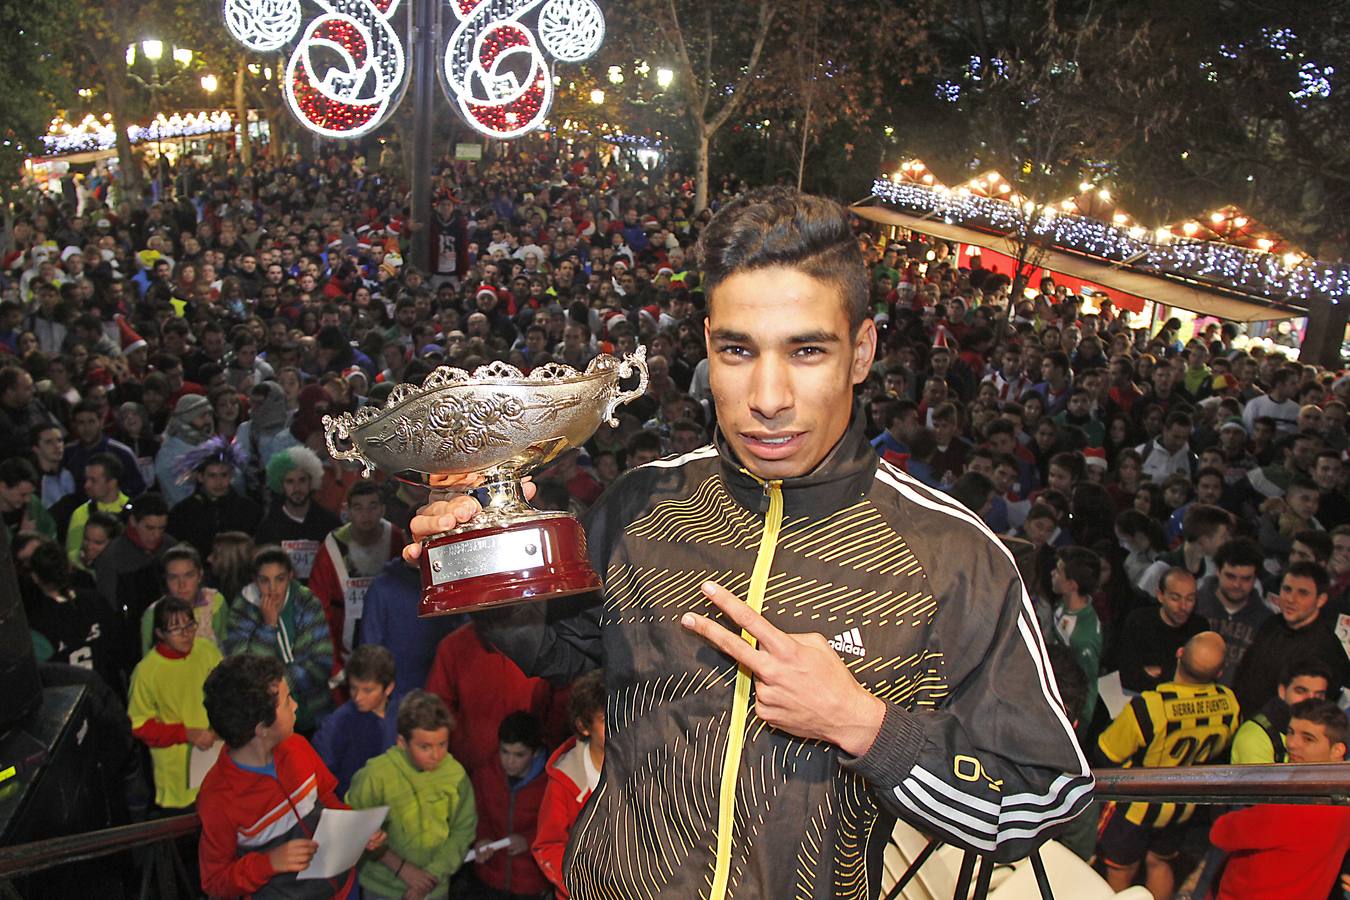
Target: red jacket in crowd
<point x="481" y="687"/>
<point x="245" y="815"/>
<point x="505" y="809"/>
<point x="566" y="794"/>
<point x="1281" y="852"/>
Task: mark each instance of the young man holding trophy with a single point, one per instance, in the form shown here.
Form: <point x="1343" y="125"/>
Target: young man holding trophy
<point x="800" y="642"/>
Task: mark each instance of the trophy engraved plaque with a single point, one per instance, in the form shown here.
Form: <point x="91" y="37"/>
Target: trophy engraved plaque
<point x="487" y="430"/>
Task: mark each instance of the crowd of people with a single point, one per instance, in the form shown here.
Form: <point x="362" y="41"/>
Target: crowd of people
<point x="1178" y="508"/>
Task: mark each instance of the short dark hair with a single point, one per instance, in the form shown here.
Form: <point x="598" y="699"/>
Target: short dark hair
<point x="99" y="519"/>
<point x="169" y="608"/>
<point x="1239" y="552"/>
<point x="1312" y="570"/>
<point x="1325" y="713"/>
<point x="240" y="694"/>
<point x="362" y="488"/>
<point x="371" y="662"/>
<point x="1083" y="567"/>
<point x="587" y="699"/>
<point x="147" y="505"/>
<point x="17" y="470"/>
<point x="1319" y="542"/>
<point x="972" y="490"/>
<point x="521" y="727"/>
<point x="1306" y="667"/>
<point x="111" y="465"/>
<point x="779" y="226"/>
<point x="422" y="710"/>
<point x="1202" y="520"/>
<point x="272" y="555"/>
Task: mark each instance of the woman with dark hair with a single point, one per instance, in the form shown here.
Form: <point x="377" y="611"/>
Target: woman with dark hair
<point x="1119" y="435"/>
<point x="1125" y="477"/>
<point x="1148" y="500"/>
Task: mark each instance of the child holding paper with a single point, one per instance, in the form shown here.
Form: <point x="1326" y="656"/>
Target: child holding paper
<point x="431" y="811"/>
<point x="166" y="709"/>
<point x="261" y="802"/>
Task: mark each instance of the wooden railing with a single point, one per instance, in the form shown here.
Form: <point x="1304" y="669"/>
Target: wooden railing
<point x="1222" y="785"/>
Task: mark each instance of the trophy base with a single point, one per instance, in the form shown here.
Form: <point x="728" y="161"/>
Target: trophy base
<point x="478" y="568"/>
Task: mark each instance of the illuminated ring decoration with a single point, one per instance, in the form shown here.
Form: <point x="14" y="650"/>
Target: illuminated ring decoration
<point x="262" y="25"/>
<point x="571" y="30"/>
<point x="480" y="62"/>
<point x="351" y="97"/>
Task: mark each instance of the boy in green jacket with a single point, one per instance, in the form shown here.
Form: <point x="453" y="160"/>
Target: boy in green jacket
<point x="432" y="821"/>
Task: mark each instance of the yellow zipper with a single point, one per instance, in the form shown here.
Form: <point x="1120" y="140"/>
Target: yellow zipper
<point x="740" y="704"/>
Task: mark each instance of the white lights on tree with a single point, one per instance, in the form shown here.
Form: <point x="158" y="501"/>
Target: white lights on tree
<point x="1225" y="266"/>
<point x="263" y="26"/>
<point x="347" y="68"/>
<point x="571" y="30"/>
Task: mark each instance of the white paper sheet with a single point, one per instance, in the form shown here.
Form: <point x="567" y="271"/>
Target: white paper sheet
<point x="200" y="762"/>
<point x="1112" y="694"/>
<point x="342" y="836"/>
<point x="495" y="845"/>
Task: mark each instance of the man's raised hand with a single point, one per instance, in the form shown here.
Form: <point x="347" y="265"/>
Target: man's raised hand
<point x="801" y="685"/>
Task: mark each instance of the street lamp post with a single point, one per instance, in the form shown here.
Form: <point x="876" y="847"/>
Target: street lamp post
<point x="153" y="50"/>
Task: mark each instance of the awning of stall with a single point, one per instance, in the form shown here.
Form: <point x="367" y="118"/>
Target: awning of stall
<point x="1197" y="298"/>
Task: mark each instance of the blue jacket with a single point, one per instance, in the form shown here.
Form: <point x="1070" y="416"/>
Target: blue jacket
<point x="390" y="620"/>
<point x="349" y="738"/>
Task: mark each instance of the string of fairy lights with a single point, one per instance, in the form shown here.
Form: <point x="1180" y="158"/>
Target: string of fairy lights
<point x="1235" y="268"/>
<point x="91" y="134"/>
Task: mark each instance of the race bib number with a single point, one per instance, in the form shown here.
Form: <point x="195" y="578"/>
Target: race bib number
<point x="302" y="554"/>
<point x="354" y="603"/>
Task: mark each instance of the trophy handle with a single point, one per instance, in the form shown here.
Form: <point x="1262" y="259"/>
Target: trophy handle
<point x="336" y="429"/>
<point x="633" y="363"/>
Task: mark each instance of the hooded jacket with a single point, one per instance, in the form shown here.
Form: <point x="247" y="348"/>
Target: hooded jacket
<point x="506" y="808"/>
<point x="431" y="817"/>
<point x="698" y="797"/>
<point x="567" y="791"/>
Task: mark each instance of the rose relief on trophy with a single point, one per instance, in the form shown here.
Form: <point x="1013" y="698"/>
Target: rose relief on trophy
<point x="486" y="431"/>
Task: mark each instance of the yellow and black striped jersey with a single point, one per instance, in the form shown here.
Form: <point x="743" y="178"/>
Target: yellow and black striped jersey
<point x="1175" y="725"/>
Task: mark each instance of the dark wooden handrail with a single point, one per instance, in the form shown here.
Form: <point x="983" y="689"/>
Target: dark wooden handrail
<point x="1319" y="785"/>
<point x="23" y="859"/>
<point x="1322" y="785"/>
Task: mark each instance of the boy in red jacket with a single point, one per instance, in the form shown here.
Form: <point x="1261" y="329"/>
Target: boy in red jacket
<point x="573" y="772"/>
<point x="1280" y="851"/>
<point x="260" y="804"/>
<point x="508" y="793"/>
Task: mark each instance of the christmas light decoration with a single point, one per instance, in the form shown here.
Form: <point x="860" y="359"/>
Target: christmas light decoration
<point x="348" y="69"/>
<point x="263" y="26"/>
<point x="1163" y="253"/>
<point x="91" y="134"/>
<point x="349" y="99"/>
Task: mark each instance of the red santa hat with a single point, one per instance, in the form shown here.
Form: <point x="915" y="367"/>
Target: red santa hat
<point x="131" y="341"/>
<point x="1095" y="456"/>
<point x="940" y="340"/>
<point x="485" y="291"/>
<point x="395" y="227"/>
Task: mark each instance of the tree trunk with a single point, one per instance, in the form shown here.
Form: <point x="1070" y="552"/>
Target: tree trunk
<point x="241" y="110"/>
<point x="115" y="81"/>
<point x="806" y="134"/>
<point x="701" y="172"/>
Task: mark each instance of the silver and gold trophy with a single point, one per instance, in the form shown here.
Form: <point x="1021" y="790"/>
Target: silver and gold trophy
<point x="486" y="431"/>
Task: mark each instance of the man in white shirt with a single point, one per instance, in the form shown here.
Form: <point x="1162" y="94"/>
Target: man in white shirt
<point x="1279" y="404"/>
<point x="1170" y="452"/>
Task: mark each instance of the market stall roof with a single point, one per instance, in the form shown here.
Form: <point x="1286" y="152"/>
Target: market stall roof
<point x="1161" y="289"/>
<point x="1211" y="277"/>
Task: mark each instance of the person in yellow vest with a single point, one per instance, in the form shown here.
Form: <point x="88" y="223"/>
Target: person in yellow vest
<point x="1187" y="721"/>
<point x="102" y="485"/>
<point x="165" y="705"/>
